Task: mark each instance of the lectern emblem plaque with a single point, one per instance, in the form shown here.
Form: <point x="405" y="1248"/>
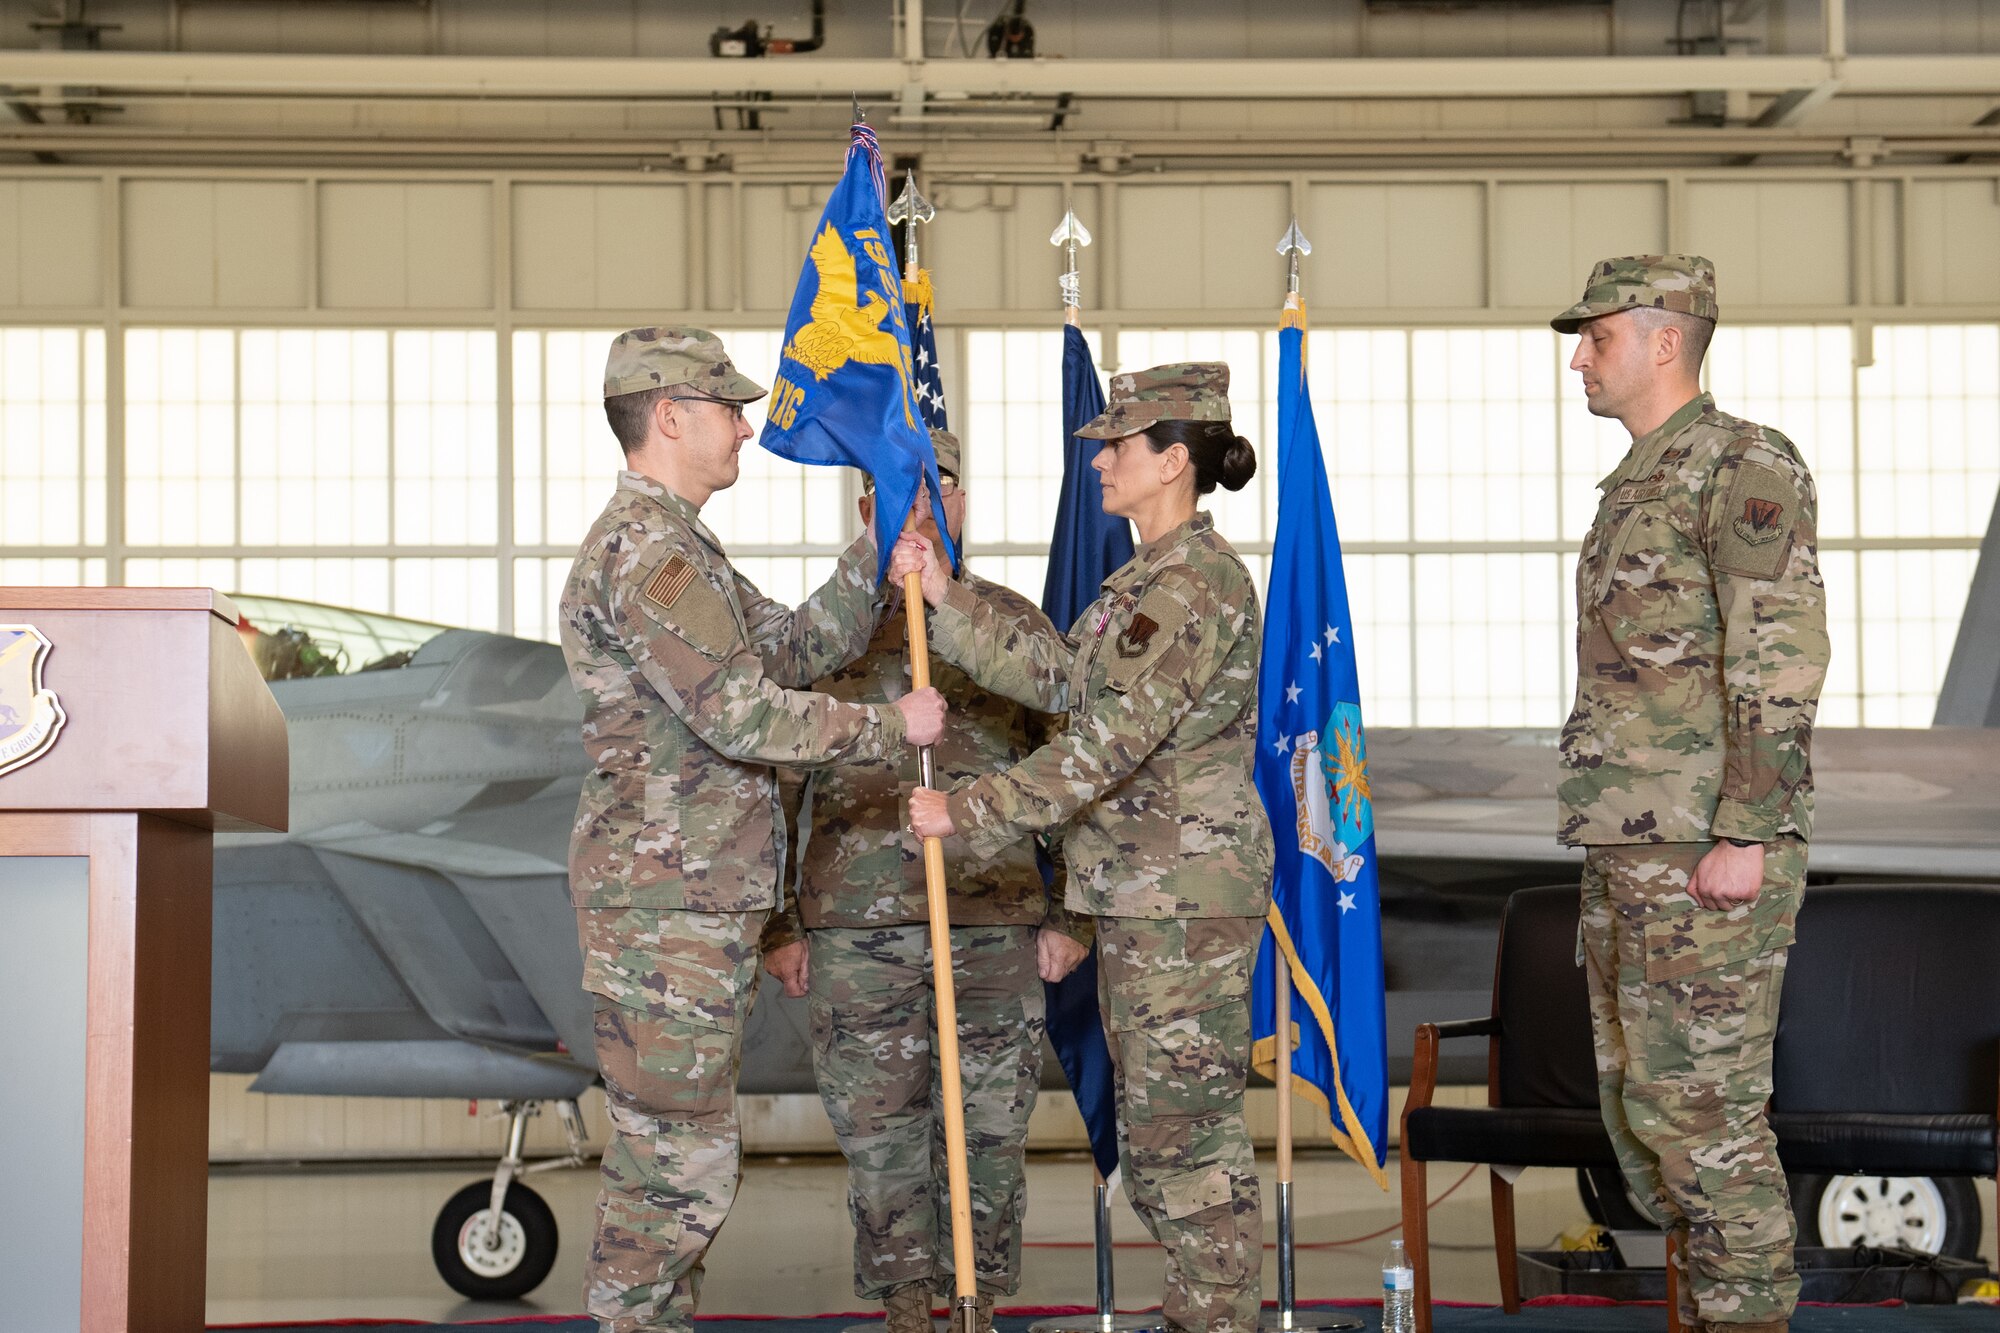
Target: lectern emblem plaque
<point x="30" y="715"/>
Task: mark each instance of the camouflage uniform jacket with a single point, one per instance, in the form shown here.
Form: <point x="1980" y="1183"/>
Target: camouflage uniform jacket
<point x="858" y="863"/>
<point x="1152" y="775"/>
<point x="1701" y="641"/>
<point x="688" y="676"/>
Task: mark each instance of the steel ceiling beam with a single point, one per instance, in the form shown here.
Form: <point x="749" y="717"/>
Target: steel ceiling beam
<point x="473" y="77"/>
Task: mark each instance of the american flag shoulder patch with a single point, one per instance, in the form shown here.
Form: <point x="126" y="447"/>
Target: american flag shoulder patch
<point x="669" y="581"/>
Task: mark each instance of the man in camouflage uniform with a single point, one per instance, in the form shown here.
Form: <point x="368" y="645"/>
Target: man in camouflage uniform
<point x="688" y="676"/>
<point x="1701" y="648"/>
<point x="1164" y="836"/>
<point x="855" y="939"/>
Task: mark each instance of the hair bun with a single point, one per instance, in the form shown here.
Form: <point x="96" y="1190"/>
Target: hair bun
<point x="1239" y="464"/>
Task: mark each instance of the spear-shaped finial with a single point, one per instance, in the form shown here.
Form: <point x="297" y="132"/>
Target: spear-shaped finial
<point x="860" y="116"/>
<point x="910" y="208"/>
<point x="1292" y="245"/>
<point x="1070" y="233"/>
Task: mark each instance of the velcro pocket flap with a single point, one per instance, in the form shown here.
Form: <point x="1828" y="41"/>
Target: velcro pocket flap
<point x="1701" y="940"/>
<point x="1163" y="997"/>
<point x="675" y="988"/>
<point x="1186" y="1193"/>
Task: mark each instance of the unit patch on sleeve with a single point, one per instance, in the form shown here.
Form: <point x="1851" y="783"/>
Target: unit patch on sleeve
<point x="1754" y="536"/>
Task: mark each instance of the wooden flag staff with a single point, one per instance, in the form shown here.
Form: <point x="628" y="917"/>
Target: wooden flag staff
<point x="965" y="1313"/>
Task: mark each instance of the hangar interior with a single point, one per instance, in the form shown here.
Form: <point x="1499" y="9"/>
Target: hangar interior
<point x="307" y="299"/>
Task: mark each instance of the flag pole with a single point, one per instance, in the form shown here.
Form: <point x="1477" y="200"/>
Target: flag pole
<point x="911" y="209"/>
<point x="1285" y="1317"/>
<point x="1070" y="234"/>
<point x="965" y="1313"/>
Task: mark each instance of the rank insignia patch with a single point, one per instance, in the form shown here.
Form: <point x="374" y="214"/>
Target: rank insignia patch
<point x="1132" y="643"/>
<point x="669" y="581"/>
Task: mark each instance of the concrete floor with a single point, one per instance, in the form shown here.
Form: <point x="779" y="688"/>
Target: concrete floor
<point x="355" y="1243"/>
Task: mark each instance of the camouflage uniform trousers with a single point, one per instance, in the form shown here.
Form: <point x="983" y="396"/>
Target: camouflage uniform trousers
<point x="1684" y="1009"/>
<point x="1175" y="994"/>
<point x="669" y="1049"/>
<point x="874" y="1031"/>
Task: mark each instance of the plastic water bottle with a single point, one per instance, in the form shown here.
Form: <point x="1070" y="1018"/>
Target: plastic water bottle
<point x="1399" y="1292"/>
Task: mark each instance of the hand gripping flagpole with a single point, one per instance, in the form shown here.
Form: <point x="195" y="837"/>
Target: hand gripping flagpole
<point x="1293" y="245"/>
<point x="1070" y="233"/>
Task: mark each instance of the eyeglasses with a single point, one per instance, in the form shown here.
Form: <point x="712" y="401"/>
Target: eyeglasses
<point x="735" y="409"/>
<point x="947" y="486"/>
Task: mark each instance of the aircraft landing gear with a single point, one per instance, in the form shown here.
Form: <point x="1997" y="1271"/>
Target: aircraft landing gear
<point x="497" y="1240"/>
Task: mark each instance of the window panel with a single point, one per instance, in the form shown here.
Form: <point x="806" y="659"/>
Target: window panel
<point x="1441" y="439"/>
<point x="1798" y="380"/>
<point x="1912" y="602"/>
<point x="180" y="434"/>
<point x="1930" y="431"/>
<point x="1484" y="422"/>
<point x="315" y="437"/>
<point x="51" y="436"/>
<point x="446" y="424"/>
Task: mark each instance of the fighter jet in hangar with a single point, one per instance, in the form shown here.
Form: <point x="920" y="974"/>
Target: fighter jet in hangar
<point x="411" y="936"/>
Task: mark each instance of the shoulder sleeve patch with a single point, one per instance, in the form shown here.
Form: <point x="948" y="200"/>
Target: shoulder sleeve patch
<point x="1159" y="620"/>
<point x="1754" y="534"/>
<point x="677" y="597"/>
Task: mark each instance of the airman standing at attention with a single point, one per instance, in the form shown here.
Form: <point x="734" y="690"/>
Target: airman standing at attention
<point x="1701" y="649"/>
<point x="689" y="678"/>
<point x="1164" y="836"/>
<point x="855" y="939"/>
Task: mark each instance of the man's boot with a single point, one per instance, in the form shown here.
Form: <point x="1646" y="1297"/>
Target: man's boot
<point x="1769" y="1326"/>
<point x="907" y="1309"/>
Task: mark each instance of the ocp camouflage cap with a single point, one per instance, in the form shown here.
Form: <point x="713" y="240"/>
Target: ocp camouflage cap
<point x="1682" y="283"/>
<point x="660" y="358"/>
<point x="1183" y="391"/>
<point x="945" y="445"/>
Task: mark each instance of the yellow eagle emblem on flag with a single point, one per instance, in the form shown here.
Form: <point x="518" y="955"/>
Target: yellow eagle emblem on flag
<point x="843" y="329"/>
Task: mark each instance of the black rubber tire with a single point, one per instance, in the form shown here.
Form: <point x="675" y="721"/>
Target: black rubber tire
<point x="1606" y="1201"/>
<point x="538" y="1254"/>
<point x="1964" y="1224"/>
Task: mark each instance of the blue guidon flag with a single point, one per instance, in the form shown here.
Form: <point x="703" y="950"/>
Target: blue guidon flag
<point x="1312" y="771"/>
<point x="847" y="389"/>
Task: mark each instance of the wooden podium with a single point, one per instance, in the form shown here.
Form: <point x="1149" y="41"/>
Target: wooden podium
<point x="166" y="735"/>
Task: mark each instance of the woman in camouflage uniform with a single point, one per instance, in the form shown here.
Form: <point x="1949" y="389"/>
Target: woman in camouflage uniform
<point x="1166" y="841"/>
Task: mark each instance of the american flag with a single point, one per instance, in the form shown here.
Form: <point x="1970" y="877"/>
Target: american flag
<point x="923" y="342"/>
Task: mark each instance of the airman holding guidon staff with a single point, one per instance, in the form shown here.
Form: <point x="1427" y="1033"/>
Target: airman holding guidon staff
<point x="1701" y="649"/>
<point x="691" y="682"/>
<point x="853" y="938"/>
<point x="1164" y="837"/>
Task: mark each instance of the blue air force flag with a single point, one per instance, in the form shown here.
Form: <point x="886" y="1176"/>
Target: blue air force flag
<point x="1312" y="771"/>
<point x="1085" y="548"/>
<point x="846" y="387"/>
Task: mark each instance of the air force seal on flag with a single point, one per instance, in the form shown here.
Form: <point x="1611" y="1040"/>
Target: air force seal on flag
<point x="30" y="715"/>
<point x="1330" y="786"/>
